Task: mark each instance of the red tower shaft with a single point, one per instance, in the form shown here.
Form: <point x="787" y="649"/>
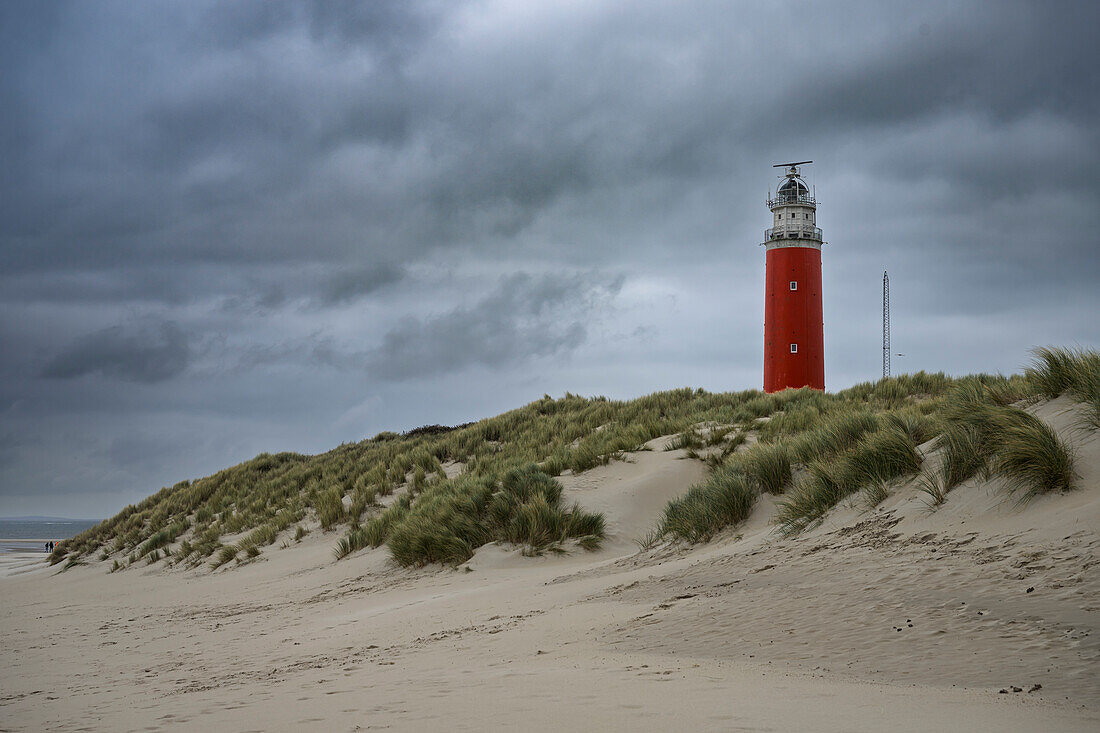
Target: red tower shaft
<point x="794" y="341"/>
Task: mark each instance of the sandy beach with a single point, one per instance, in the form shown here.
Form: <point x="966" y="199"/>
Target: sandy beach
<point x="981" y="615"/>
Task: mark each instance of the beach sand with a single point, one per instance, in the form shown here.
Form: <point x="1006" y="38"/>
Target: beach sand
<point x="895" y="619"/>
<point x="20" y="556"/>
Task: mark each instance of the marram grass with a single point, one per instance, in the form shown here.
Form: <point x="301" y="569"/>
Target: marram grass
<point x="867" y="440"/>
<point x="861" y="439"/>
<point x="1032" y="459"/>
<point x="824" y="485"/>
<point x="724" y="498"/>
<point x="450" y="520"/>
<point x="569" y="433"/>
<point x="875" y="493"/>
<point x="1057" y="371"/>
<point x="768" y="466"/>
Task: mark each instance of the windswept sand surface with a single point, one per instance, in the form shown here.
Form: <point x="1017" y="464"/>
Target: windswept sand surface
<point x="26" y="557"/>
<point x="894" y="619"/>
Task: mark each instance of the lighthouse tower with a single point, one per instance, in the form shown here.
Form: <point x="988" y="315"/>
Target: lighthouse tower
<point x="794" y="354"/>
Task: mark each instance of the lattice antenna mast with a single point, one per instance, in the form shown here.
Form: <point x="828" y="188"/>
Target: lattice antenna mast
<point x="885" y="324"/>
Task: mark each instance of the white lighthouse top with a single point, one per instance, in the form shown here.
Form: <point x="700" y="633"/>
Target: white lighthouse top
<point x="793" y="190"/>
<point x="794" y="212"/>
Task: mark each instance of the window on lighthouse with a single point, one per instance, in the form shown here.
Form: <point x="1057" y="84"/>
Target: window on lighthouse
<point x="794" y="348"/>
<point x="794" y="285"/>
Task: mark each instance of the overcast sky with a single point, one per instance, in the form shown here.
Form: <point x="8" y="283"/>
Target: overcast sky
<point x="236" y="227"/>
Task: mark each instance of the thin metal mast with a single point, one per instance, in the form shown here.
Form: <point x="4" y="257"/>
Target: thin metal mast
<point x="885" y="324"/>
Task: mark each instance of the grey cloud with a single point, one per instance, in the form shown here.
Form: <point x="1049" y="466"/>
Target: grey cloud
<point x="320" y="286"/>
<point x="355" y="282"/>
<point x="316" y="349"/>
<point x="12" y="445"/>
<point x="526" y="317"/>
<point x="135" y="449"/>
<point x="131" y="284"/>
<point x="384" y="24"/>
<point x="315" y="288"/>
<point x="140" y="353"/>
<point x="474" y="144"/>
<point x="391" y="27"/>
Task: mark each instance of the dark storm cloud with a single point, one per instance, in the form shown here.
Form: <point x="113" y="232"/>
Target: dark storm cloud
<point x="321" y="286"/>
<point x="308" y="215"/>
<point x="179" y="151"/>
<point x="524" y="318"/>
<point x="314" y="350"/>
<point x="121" y="285"/>
<point x="138" y="353"/>
<point x="230" y="156"/>
<point x="356" y="282"/>
<point x="382" y="24"/>
<point x="999" y="64"/>
<point x="312" y="288"/>
<point x="11" y="445"/>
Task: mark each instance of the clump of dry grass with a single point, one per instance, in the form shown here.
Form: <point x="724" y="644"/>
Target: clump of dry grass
<point x="875" y="493"/>
<point x="356" y="539"/>
<point x="823" y="487"/>
<point x="768" y="466"/>
<point x="228" y="553"/>
<point x="690" y="439"/>
<point x="966" y="450"/>
<point x="932" y="484"/>
<point x="1057" y="371"/>
<point x="451" y="519"/>
<point x="725" y="498"/>
<point x="838" y="432"/>
<point x="1032" y="458"/>
<point x="873" y="460"/>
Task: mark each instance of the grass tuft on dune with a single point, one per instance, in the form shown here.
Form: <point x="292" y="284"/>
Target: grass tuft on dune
<point x="726" y="497"/>
<point x="1032" y="458"/>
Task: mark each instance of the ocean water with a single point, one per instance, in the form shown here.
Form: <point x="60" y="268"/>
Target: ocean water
<point x="60" y="530"/>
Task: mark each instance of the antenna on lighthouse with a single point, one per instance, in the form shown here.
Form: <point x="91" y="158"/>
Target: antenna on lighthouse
<point x="792" y="168"/>
<point x="885" y="325"/>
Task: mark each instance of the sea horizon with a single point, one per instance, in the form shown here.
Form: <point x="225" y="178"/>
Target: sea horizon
<point x="14" y="533"/>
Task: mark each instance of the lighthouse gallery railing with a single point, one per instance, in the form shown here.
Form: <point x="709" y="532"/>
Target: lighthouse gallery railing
<point x="788" y="231"/>
<point x="790" y="198"/>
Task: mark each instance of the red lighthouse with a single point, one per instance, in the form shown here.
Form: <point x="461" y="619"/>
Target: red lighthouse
<point x="794" y="353"/>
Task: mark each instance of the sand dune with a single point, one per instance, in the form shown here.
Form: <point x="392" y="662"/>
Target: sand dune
<point x="898" y="618"/>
